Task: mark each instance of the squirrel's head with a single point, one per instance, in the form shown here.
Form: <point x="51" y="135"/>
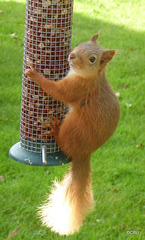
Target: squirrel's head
<point x="89" y="59"/>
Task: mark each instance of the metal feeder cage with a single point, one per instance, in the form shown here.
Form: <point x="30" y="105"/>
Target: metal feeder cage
<point x="47" y="44"/>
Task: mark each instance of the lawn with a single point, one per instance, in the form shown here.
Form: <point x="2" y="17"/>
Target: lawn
<point x="118" y="167"/>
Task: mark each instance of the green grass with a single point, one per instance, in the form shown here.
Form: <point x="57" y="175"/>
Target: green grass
<point x="118" y="167"/>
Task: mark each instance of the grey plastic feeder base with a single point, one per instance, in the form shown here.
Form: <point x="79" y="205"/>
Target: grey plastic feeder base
<point x="37" y="159"/>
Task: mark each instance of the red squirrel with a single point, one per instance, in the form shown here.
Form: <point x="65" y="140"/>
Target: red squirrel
<point x="92" y="119"/>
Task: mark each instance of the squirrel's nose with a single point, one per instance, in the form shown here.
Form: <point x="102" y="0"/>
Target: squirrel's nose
<point x="72" y="56"/>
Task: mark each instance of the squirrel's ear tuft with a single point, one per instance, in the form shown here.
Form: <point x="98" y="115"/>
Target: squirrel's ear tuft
<point x="94" y="38"/>
<point x="106" y="57"/>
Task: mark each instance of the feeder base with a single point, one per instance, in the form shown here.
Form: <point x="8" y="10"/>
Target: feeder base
<point x="35" y="159"/>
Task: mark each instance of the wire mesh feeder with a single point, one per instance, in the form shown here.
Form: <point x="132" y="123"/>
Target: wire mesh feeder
<point x="48" y="26"/>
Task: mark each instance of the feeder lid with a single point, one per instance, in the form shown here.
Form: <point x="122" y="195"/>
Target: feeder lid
<point x="35" y="159"/>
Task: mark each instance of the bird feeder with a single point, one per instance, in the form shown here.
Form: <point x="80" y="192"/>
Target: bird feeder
<point x="47" y="44"/>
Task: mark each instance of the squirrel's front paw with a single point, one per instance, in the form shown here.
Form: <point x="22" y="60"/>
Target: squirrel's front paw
<point x="31" y="74"/>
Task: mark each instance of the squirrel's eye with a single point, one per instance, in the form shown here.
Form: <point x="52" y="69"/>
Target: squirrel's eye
<point x="92" y="59"/>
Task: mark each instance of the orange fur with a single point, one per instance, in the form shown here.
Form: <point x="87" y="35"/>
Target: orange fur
<point x="92" y="119"/>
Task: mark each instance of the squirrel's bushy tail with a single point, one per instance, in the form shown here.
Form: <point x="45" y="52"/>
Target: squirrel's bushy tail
<point x="70" y="200"/>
